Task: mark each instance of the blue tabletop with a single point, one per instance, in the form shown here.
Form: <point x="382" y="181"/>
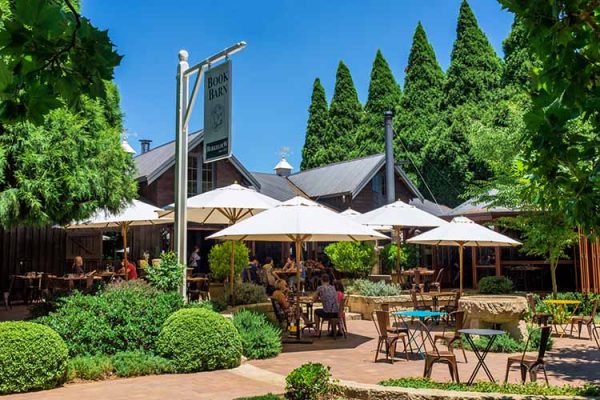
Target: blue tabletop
<point x="420" y="314"/>
<point x="482" y="332"/>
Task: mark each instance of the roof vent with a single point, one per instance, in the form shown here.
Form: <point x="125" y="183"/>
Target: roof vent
<point x="127" y="147"/>
<point x="283" y="168"/>
<point x="145" y="145"/>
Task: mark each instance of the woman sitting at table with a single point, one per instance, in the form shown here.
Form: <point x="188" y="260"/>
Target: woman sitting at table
<point x="77" y="265"/>
<point x="289" y="265"/>
<point x="131" y="271"/>
<point x="280" y="295"/>
<point x="270" y="277"/>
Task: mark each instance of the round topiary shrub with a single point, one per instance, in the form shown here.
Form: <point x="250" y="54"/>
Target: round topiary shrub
<point x="197" y="339"/>
<point x="311" y="381"/>
<point x="495" y="285"/>
<point x="32" y="357"/>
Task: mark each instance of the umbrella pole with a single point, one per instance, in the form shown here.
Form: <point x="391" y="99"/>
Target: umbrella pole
<point x="298" y="260"/>
<point x="124" y="236"/>
<point x="232" y="271"/>
<point x="460" y="264"/>
<point x="398" y="254"/>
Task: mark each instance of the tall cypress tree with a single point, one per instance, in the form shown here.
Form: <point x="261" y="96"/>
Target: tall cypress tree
<point x="384" y="95"/>
<point x="345" y="114"/>
<point x="475" y="69"/>
<point x="518" y="60"/>
<point x="313" y="152"/>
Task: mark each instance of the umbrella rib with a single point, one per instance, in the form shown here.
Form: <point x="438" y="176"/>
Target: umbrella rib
<point x="208" y="216"/>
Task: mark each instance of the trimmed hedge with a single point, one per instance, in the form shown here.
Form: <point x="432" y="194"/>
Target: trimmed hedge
<point x="260" y="339"/>
<point x="32" y="357"/>
<point x="197" y="339"/>
<point x="124" y="317"/>
<point x="495" y="285"/>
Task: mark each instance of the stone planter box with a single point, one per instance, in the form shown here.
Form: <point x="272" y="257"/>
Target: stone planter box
<point x="365" y="305"/>
<point x="264" y="308"/>
<point x="488" y="311"/>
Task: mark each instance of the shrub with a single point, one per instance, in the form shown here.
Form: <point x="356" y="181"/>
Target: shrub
<point x="197" y="339"/>
<point x="167" y="275"/>
<point x="260" y="339"/>
<point x="247" y="293"/>
<point x="90" y="368"/>
<point x="365" y="287"/>
<point x="351" y="257"/>
<point x="528" y="389"/>
<point x="561" y="314"/>
<point x="507" y="344"/>
<point x="408" y="256"/>
<point x="32" y="357"/>
<point x="269" y="396"/>
<point x="311" y="381"/>
<point x="219" y="259"/>
<point x="138" y="363"/>
<point x="125" y="316"/>
<point x="495" y="285"/>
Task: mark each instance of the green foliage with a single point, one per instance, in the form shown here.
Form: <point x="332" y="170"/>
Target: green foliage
<point x="50" y="56"/>
<point x="559" y="164"/>
<point x="475" y="69"/>
<point x="384" y="95"/>
<point x="507" y="344"/>
<point x="389" y="253"/>
<point x="311" y="381"/>
<point x="197" y="339"/>
<point x="125" y="316"/>
<point x="167" y="275"/>
<point x="495" y="285"/>
<point x="528" y="389"/>
<point x="32" y="357"/>
<point x="90" y="368"/>
<point x="219" y="259"/>
<point x="139" y="363"/>
<point x="560" y="314"/>
<point x="269" y="396"/>
<point x="365" y="287"/>
<point x="518" y="60"/>
<point x="545" y="234"/>
<point x="66" y="168"/>
<point x="247" y="293"/>
<point x="260" y="339"/>
<point x="345" y="116"/>
<point x="314" y="150"/>
<point x="355" y="258"/>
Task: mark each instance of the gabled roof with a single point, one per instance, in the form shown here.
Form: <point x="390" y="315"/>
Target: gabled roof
<point x="275" y="186"/>
<point x="152" y="164"/>
<point x="438" y="210"/>
<point x="473" y="207"/>
<point x="345" y="177"/>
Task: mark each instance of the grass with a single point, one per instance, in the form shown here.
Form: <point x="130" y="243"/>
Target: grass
<point x="527" y="389"/>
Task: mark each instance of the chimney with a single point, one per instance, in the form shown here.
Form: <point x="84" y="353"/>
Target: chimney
<point x="145" y="144"/>
<point x="389" y="158"/>
<point x="283" y="168"/>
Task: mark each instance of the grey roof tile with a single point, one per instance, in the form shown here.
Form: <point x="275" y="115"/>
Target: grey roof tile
<point x="275" y="186"/>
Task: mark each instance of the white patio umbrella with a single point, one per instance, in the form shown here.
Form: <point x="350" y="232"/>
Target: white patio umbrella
<point x="400" y="215"/>
<point x="461" y="232"/>
<point x="136" y="213"/>
<point x="298" y="220"/>
<point x="226" y="205"/>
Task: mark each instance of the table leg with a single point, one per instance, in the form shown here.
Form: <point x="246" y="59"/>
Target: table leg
<point x="481" y="359"/>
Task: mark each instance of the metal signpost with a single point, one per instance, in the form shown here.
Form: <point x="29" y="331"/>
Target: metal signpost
<point x="219" y="123"/>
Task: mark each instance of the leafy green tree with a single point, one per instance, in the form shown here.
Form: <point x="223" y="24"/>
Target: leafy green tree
<point x="545" y="234"/>
<point x="475" y="69"/>
<point x="313" y="152"/>
<point x="67" y="167"/>
<point x="345" y="115"/>
<point x="518" y="60"/>
<point x="219" y="259"/>
<point x="560" y="153"/>
<point x="51" y="56"/>
<point x="384" y="95"/>
<point x="351" y="257"/>
<point x="166" y="275"/>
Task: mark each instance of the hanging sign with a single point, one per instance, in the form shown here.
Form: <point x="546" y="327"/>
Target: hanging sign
<point x="217" y="112"/>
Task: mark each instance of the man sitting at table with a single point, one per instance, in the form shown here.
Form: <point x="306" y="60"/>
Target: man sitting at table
<point x="78" y="265"/>
<point x="327" y="295"/>
<point x="131" y="271"/>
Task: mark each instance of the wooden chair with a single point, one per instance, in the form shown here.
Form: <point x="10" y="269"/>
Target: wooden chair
<point x="387" y="341"/>
<point x="538" y="318"/>
<point x="453" y="336"/>
<point x="416" y="305"/>
<point x="531" y="364"/>
<point x="281" y="316"/>
<point x="453" y="305"/>
<point x="336" y="322"/>
<point x="436" y="356"/>
<point x="587" y="320"/>
<point x="437" y="284"/>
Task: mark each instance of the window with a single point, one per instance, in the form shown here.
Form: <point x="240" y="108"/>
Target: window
<point x="192" y="175"/>
<point x="207" y="177"/>
<point x="378" y="183"/>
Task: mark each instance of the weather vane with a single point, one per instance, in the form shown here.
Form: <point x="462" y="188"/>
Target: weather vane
<point x="284" y="152"/>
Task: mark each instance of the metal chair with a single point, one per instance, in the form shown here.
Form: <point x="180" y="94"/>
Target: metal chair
<point x="386" y="340"/>
<point x="436" y="356"/>
<point x="531" y="364"/>
<point x="437" y="284"/>
<point x="538" y="318"/>
<point x="415" y="301"/>
<point x="336" y="322"/>
<point x="587" y="320"/>
<point x="453" y="305"/>
<point x="453" y="336"/>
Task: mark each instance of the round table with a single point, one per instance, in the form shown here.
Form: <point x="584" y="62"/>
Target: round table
<point x="562" y="305"/>
<point x="421" y="315"/>
<point x="492" y="334"/>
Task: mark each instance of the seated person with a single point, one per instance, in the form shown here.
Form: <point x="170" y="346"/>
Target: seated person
<point x="327" y="295"/>
<point x="130" y="270"/>
<point x="280" y="295"/>
<point x="250" y="274"/>
<point x="289" y="265"/>
<point x="269" y="276"/>
<point x="77" y="265"/>
<point x="302" y="278"/>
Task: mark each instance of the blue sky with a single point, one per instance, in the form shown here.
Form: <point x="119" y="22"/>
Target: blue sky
<point x="289" y="44"/>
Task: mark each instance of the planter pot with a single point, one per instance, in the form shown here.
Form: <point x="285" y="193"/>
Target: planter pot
<point x="490" y="311"/>
<point x="216" y="290"/>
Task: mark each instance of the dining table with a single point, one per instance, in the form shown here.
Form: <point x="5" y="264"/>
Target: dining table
<point x="560" y="312"/>
<point x="423" y="316"/>
<point x="480" y="354"/>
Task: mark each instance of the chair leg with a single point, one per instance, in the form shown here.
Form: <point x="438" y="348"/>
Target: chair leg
<point x="545" y="374"/>
<point x="462" y="347"/>
<point x="579" y="327"/>
<point x="405" y="349"/>
<point x="379" y="343"/>
<point x="589" y="328"/>
<point x="572" y="326"/>
<point x="428" y="368"/>
<point x="507" y="370"/>
<point x="523" y="373"/>
<point x="533" y="375"/>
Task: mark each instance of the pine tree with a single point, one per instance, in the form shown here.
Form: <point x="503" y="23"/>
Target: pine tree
<point x="384" y="95"/>
<point x="518" y="60"/>
<point x="475" y="69"/>
<point x="313" y="152"/>
<point x="345" y="114"/>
